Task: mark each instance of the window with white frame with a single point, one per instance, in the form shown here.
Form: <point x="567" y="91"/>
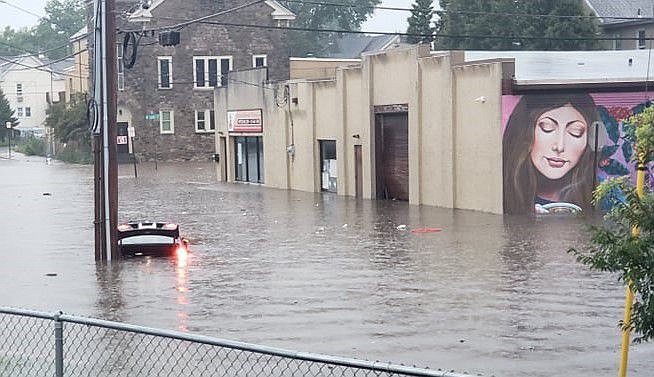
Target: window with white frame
<point x="211" y="71"/>
<point x="165" y="66"/>
<point x="166" y="121"/>
<point x="641" y="39"/>
<point x="28" y="112"/>
<point x="120" y="67"/>
<point x="205" y="121"/>
<point x="19" y="112"/>
<point x="259" y="61"/>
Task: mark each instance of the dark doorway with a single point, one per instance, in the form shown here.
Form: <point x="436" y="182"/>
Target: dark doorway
<point x="358" y="171"/>
<point x="223" y="158"/>
<point x="122" y="143"/>
<point x="392" y="155"/>
<point x="328" y="168"/>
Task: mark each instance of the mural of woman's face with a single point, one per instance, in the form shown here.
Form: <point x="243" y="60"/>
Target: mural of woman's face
<point x="560" y="138"/>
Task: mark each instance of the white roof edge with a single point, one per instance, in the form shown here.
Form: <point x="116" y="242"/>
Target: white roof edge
<point x="592" y="8"/>
<point x="326" y="60"/>
<point x="280" y="12"/>
<point x="582" y="81"/>
<point x="395" y="39"/>
<point x="82" y="33"/>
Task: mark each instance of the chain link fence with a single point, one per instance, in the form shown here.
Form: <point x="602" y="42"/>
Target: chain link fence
<point x="41" y="344"/>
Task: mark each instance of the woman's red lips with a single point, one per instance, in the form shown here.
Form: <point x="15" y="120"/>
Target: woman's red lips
<point x="556" y="162"/>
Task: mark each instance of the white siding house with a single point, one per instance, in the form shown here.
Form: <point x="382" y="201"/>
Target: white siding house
<point x="29" y="82"/>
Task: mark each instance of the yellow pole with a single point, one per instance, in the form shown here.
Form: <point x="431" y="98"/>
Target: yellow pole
<point x="640" y="190"/>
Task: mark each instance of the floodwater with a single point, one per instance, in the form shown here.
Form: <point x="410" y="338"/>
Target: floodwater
<point x="488" y="294"/>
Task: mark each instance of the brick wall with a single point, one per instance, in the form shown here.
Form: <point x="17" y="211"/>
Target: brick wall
<point x="141" y="94"/>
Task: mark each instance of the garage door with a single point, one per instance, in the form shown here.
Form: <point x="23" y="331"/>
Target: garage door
<point x="393" y="159"/>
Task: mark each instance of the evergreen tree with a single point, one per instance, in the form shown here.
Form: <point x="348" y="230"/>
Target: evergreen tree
<point x="6" y="115"/>
<point x="513" y="22"/>
<point x="422" y="13"/>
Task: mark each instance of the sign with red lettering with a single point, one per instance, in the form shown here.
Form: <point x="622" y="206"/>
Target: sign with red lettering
<point x="245" y="121"/>
<point x="121" y="140"/>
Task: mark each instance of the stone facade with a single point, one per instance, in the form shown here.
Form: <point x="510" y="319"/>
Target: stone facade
<point x="142" y="95"/>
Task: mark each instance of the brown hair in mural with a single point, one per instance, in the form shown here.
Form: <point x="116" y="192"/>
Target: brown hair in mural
<point x="548" y="163"/>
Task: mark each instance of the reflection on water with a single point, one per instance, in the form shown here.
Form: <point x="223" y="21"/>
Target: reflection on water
<point x="320" y="273"/>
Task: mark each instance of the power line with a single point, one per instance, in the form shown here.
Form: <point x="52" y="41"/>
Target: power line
<point x="508" y="14"/>
<point x="41" y="69"/>
<point x="21" y="9"/>
<point x="31" y="52"/>
<point x="196" y="20"/>
<point x="56" y="61"/>
<point x="449" y="36"/>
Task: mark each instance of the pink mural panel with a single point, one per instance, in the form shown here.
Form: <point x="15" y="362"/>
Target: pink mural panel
<point x="550" y="163"/>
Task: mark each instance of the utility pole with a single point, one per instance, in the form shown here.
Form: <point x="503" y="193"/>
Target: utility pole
<point x="112" y="108"/>
<point x="106" y="177"/>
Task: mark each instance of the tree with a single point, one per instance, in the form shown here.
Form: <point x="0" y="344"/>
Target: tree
<point x="422" y="13"/>
<point x="6" y="115"/>
<point x="68" y="120"/>
<point x="616" y="247"/>
<point x="325" y="16"/>
<point x="63" y="18"/>
<point x="513" y="22"/>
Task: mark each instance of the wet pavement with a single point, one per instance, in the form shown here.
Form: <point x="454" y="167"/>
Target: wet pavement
<point x="488" y="294"/>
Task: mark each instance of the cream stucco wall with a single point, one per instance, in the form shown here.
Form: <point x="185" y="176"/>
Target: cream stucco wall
<point x="454" y="116"/>
<point x="318" y="68"/>
<point x="477" y="137"/>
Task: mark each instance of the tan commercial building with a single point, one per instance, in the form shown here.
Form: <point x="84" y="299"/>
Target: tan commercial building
<point x="402" y="124"/>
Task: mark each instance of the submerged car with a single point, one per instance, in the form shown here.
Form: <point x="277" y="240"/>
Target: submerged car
<point x="151" y="239"/>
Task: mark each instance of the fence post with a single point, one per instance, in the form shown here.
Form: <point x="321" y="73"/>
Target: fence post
<point x="59" y="345"/>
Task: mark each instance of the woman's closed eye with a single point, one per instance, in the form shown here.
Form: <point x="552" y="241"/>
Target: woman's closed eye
<point x="547" y="125"/>
<point x="576" y="130"/>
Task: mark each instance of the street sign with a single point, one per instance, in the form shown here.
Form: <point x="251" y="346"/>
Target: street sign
<point x="131" y="132"/>
<point x="152" y="116"/>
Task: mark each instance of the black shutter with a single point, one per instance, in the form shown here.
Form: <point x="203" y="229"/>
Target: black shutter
<point x="199" y="73"/>
<point x="213" y="72"/>
<point x="165" y="73"/>
<point x="224" y="70"/>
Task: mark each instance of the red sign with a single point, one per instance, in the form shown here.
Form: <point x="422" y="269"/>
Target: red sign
<point x="121" y="140"/>
<point x="245" y="121"/>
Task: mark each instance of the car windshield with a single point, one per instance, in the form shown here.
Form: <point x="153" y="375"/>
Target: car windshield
<point x="147" y="239"/>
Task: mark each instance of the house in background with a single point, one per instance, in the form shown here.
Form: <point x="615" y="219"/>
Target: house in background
<point x="174" y="85"/>
<point x="77" y="80"/>
<point x="345" y="51"/>
<point x="31" y="84"/>
<point x="624" y="19"/>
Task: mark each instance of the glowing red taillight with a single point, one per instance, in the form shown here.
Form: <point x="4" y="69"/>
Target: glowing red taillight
<point x="181" y="252"/>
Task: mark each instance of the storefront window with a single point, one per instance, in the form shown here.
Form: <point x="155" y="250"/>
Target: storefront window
<point x="249" y="158"/>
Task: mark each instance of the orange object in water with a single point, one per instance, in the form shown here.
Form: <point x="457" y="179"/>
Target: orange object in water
<point x="426" y="230"/>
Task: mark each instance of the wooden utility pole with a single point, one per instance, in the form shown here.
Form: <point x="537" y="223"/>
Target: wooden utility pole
<point x="112" y="107"/>
<point x="104" y="152"/>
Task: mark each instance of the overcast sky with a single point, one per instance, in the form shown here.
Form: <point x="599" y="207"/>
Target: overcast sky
<point x="383" y="20"/>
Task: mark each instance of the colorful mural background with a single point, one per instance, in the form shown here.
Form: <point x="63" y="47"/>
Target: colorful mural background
<point x="612" y="158"/>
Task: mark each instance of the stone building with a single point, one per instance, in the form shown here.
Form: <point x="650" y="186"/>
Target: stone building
<point x="174" y="85"/>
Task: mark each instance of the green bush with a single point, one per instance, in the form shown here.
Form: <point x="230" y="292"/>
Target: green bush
<point x="32" y="146"/>
<point x="75" y="153"/>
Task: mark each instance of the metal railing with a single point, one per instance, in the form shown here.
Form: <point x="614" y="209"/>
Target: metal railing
<point x="41" y="344"/>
